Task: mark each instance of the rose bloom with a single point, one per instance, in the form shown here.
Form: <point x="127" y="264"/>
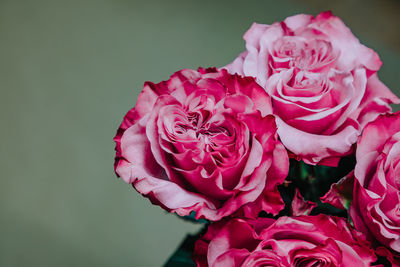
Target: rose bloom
<point x="203" y="141"/>
<point x="375" y="209"/>
<point x="289" y="241"/>
<point x="322" y="81"/>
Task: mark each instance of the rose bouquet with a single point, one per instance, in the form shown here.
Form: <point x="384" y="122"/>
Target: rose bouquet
<point x="289" y="155"/>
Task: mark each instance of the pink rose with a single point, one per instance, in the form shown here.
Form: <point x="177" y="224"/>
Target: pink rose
<point x="322" y="82"/>
<point x="203" y="141"/>
<point x="375" y="209"/>
<point x="289" y="241"/>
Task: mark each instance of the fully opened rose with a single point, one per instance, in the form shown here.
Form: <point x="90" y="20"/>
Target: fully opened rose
<point x="300" y="241"/>
<point x="203" y="141"/>
<point x="322" y="82"/>
<point x="375" y="209"/>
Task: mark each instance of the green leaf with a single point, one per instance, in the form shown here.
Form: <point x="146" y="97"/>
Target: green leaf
<point x="192" y="218"/>
<point x="182" y="257"/>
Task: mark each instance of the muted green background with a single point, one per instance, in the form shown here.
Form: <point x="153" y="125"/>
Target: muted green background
<point x="68" y="73"/>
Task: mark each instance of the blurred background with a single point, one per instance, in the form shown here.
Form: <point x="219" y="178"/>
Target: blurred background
<point x="70" y="70"/>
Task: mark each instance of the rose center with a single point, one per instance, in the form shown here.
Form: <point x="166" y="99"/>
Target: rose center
<point x="304" y="55"/>
<point x="199" y="126"/>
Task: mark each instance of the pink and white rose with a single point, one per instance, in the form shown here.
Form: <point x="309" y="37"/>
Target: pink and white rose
<point x="322" y="81"/>
<point x="289" y="241"/>
<point x="375" y="209"/>
<point x="203" y="141"/>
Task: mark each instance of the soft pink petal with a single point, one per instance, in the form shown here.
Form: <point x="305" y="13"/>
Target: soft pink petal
<point x="313" y="148"/>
